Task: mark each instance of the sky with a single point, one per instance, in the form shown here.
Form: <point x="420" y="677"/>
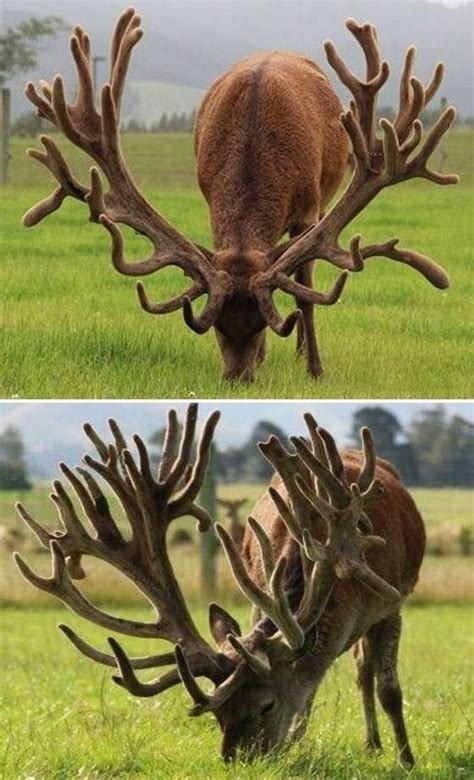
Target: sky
<point x="47" y="425"/>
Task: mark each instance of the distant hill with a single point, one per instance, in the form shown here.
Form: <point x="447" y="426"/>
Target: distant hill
<point x="188" y="43"/>
<point x="152" y="99"/>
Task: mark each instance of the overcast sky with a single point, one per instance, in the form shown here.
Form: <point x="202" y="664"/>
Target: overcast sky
<point x="51" y="423"/>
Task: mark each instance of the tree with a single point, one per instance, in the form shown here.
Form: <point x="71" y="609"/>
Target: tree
<point x="13" y="473"/>
<point x="27" y="125"/>
<point x="18" y="44"/>
<point x="246" y="463"/>
<point x="163" y="124"/>
<point x="387" y="430"/>
<point x="384" y="425"/>
<point x="444" y="447"/>
<point x="191" y="121"/>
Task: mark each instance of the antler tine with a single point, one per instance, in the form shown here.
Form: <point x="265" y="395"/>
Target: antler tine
<point x="286" y="514"/>
<point x="413" y="96"/>
<point x="184" y="454"/>
<point x="187" y="678"/>
<point x="288" y="466"/>
<point x="306" y="295"/>
<point x="332" y="484"/>
<point x="265" y="286"/>
<point x="257" y="665"/>
<point x="60" y="585"/>
<point x="201" y="323"/>
<point x="193" y="292"/>
<point x="365" y="93"/>
<point x="379" y="164"/>
<point x="98" y="134"/>
<point x="192" y="487"/>
<point x="130" y="681"/>
<point x="170" y="446"/>
<point x="81" y="54"/>
<point x="98" y="443"/>
<point x="144" y="560"/>
<point x="266" y="552"/>
<point x="146" y="662"/>
<point x="276" y="606"/>
<point x="68" y="185"/>
<point x="43" y="536"/>
<point x="319" y="451"/>
<point x="367" y="471"/>
<point x="333" y="456"/>
<point x="126" y="35"/>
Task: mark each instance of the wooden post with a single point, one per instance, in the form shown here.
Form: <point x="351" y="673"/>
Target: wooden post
<point x="209" y="541"/>
<point x="5" y="135"/>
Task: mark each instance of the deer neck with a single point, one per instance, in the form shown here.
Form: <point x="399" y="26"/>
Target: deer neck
<point x="244" y="227"/>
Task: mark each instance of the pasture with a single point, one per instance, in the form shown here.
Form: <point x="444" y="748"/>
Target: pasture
<point x="73" y="327"/>
<point x="63" y="717"/>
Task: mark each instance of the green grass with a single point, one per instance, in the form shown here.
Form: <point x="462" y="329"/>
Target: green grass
<point x="439" y="507"/>
<point x="445" y="505"/>
<point x="73" y="327"/>
<point x="63" y="718"/>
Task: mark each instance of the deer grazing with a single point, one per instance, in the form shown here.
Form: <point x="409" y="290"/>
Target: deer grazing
<point x="232" y="508"/>
<point x="332" y="549"/>
<point x="272" y="147"/>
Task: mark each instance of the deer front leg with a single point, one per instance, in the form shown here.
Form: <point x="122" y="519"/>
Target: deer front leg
<point x="365" y="683"/>
<point x="306" y="335"/>
<point x="306" y="343"/>
<point x="384" y="640"/>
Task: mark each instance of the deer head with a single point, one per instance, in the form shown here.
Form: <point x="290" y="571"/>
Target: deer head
<point x="239" y="289"/>
<point x="264" y="680"/>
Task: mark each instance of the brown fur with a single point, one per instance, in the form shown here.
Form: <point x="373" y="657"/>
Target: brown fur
<point x="394" y="517"/>
<point x="354" y="616"/>
<point x="271" y="152"/>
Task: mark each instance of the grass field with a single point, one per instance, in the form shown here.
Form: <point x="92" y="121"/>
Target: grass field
<point x="62" y="716"/>
<point x="73" y="327"/>
<point x="438" y="507"/>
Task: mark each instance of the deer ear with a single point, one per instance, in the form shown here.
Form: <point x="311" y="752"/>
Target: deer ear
<point x="222" y="624"/>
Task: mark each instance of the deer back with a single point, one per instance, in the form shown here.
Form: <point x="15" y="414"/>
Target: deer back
<point x="270" y="148"/>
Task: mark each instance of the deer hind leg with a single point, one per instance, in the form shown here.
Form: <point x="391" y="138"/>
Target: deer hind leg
<point x="384" y="642"/>
<point x="306" y="342"/>
<point x="365" y="683"/>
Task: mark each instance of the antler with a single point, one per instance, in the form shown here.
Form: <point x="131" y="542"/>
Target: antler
<point x="318" y="499"/>
<point x="400" y="155"/>
<point x="98" y="135"/>
<point x="150" y="504"/>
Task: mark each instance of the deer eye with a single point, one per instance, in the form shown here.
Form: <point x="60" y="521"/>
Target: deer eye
<point x="267" y="707"/>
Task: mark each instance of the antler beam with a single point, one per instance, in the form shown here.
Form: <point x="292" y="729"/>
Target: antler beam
<point x="150" y="504"/>
<point x="400" y="155"/>
<point x="97" y="134"/>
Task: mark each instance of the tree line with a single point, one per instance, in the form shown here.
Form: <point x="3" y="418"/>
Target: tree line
<point x="28" y="125"/>
<point x="434" y="450"/>
<point x="19" y="54"/>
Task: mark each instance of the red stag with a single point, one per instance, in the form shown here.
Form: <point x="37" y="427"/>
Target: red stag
<point x="271" y="147"/>
<point x="332" y="549"/>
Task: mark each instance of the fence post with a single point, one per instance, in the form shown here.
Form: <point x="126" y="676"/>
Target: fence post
<point x="5" y="134"/>
<point x="209" y="542"/>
